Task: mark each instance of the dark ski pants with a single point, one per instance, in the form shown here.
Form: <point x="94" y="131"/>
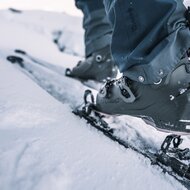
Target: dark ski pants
<point x="147" y="38"/>
<point x="98" y="31"/>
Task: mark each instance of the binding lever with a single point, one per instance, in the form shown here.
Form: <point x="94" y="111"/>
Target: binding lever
<point x="168" y="141"/>
<point x="171" y="146"/>
<point x="88" y="102"/>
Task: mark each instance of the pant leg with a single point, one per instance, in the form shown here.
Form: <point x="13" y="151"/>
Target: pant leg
<point x="95" y="22"/>
<point x="149" y="37"/>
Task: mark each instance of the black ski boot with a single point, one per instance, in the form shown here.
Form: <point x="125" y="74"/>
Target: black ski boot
<point x="99" y="66"/>
<point x="165" y="105"/>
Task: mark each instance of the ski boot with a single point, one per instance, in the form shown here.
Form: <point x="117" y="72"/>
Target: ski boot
<point x="166" y="105"/>
<point x="99" y="66"/>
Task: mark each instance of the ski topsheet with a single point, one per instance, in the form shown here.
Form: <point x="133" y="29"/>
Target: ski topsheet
<point x="169" y="164"/>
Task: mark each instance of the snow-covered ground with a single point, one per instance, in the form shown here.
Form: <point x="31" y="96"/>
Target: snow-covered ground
<point x="43" y="146"/>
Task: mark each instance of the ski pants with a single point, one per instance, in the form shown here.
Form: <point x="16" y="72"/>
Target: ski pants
<point x="147" y="38"/>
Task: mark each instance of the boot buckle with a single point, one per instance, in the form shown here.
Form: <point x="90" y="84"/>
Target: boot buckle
<point x="125" y="92"/>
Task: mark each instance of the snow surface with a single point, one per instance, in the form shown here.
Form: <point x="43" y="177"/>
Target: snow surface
<point x="48" y="5"/>
<point x="43" y="146"/>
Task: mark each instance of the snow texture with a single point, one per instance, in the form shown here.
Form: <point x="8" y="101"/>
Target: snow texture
<point x="43" y="146"/>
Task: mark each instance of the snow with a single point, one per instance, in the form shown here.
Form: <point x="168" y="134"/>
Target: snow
<point x="40" y="26"/>
<point x="48" y="5"/>
<point x="43" y="146"/>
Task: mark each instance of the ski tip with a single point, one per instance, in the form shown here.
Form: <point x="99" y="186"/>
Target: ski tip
<point x="15" y="59"/>
<point x="13" y="10"/>
<point x="20" y="51"/>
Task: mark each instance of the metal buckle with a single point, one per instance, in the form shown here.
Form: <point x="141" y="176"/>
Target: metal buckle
<point x="125" y="92"/>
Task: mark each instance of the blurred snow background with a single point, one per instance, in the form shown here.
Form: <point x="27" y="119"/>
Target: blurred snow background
<point x="67" y="6"/>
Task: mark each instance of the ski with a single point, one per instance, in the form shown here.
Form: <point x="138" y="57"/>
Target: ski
<point x="162" y="158"/>
<point x="19" y="57"/>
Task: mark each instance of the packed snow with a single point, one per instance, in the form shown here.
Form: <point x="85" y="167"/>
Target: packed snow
<point x="43" y="146"/>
